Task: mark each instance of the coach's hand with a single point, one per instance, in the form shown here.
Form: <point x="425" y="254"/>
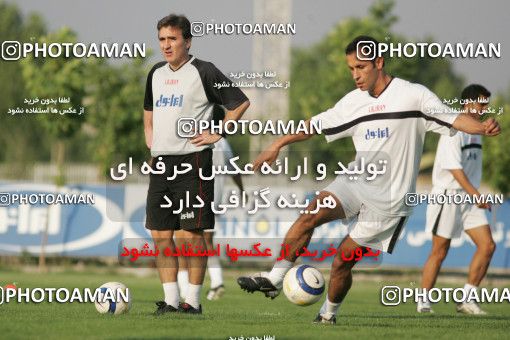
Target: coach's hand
<point x="484" y="206"/>
<point x="267" y="156"/>
<point x="492" y="127"/>
<point x="205" y="138"/>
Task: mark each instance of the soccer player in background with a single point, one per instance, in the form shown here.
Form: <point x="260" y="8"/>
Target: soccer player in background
<point x="222" y="152"/>
<point x="381" y="103"/>
<point x="458" y="171"/>
<point x="182" y="87"/>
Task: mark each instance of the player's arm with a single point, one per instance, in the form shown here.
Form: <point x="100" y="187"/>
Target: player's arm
<point x="231" y="98"/>
<point x="489" y="127"/>
<point x="463" y="180"/>
<point x="147" y="127"/>
<point x="271" y="153"/>
<point x="236" y="113"/>
<point x="207" y="138"/>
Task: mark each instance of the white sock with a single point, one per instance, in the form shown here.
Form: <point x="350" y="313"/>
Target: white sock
<point x="329" y="309"/>
<point x="424" y="300"/>
<point x="468" y="287"/>
<point x="279" y="270"/>
<point x="183" y="281"/>
<point x="171" y="290"/>
<point x="215" y="272"/>
<point x="193" y="296"/>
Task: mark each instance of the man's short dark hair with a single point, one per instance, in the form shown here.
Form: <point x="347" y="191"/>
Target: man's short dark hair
<point x="363" y="40"/>
<point x="179" y="21"/>
<point x="353" y="45"/>
<point x="474" y="91"/>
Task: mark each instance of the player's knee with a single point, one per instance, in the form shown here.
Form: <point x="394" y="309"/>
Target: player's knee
<point x="195" y="236"/>
<point x="439" y="254"/>
<point x="492" y="247"/>
<point x="308" y="222"/>
<point x="162" y="242"/>
<point x="489" y="248"/>
<point x="340" y="267"/>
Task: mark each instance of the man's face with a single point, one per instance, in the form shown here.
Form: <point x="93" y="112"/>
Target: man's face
<point x="364" y="72"/>
<point x="173" y="46"/>
<point x="477" y="108"/>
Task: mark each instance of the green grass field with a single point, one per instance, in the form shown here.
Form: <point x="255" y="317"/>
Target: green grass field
<point x="236" y="314"/>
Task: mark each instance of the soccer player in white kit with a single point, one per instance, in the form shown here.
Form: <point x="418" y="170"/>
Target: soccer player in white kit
<point x="386" y="117"/>
<point x="458" y="171"/>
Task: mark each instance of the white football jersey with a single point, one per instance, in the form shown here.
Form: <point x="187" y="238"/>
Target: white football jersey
<point x="189" y="93"/>
<point x="462" y="151"/>
<point x="388" y="128"/>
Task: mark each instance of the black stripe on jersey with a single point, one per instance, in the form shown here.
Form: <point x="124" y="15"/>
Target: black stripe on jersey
<point x="147" y="103"/>
<point x="382" y="116"/>
<point x="471" y="146"/>
<point x="436" y="224"/>
<point x="229" y="97"/>
<point x="396" y="234"/>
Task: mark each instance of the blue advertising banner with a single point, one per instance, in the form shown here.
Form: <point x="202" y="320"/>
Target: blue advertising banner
<point x="92" y="220"/>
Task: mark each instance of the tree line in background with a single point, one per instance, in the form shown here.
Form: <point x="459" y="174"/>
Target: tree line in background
<point x="111" y="130"/>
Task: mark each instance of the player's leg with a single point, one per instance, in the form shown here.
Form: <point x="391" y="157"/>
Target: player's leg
<point x="215" y="271"/>
<point x="444" y="223"/>
<point x="162" y="223"/>
<point x="196" y="268"/>
<point x="193" y="221"/>
<point x="440" y="247"/>
<point x="297" y="237"/>
<point x="182" y="275"/>
<point x="340" y="281"/>
<point x="167" y="268"/>
<point x="370" y="230"/>
<point x="485" y="247"/>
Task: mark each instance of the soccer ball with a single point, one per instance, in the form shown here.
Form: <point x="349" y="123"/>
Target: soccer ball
<point x="110" y="300"/>
<point x="303" y="285"/>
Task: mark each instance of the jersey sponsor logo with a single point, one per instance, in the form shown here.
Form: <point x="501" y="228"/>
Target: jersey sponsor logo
<point x="171" y="81"/>
<point x="376" y="134"/>
<point x="376" y="108"/>
<point x="173" y="100"/>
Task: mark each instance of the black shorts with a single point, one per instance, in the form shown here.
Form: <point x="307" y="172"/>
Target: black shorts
<point x="189" y="184"/>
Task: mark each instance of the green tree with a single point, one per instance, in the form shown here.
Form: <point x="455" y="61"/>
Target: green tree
<point x="21" y="140"/>
<point x="115" y="111"/>
<point x="54" y="78"/>
<point x="320" y="77"/>
<point x="496" y="158"/>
